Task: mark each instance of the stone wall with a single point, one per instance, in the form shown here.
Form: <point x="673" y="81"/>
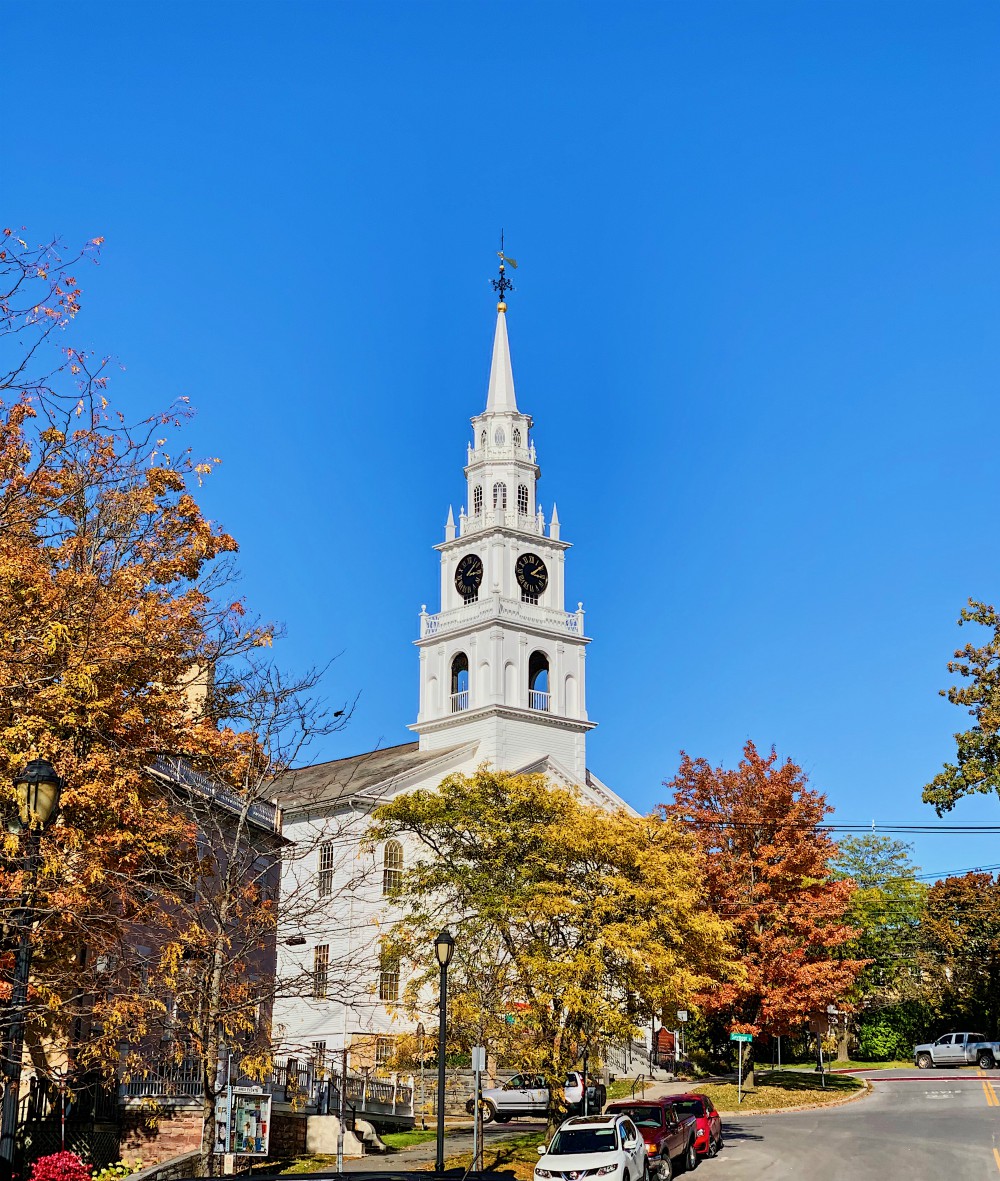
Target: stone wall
<point x="185" y="1165"/>
<point x="288" y="1135"/>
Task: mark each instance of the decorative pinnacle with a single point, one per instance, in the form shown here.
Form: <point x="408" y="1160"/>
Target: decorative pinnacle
<point x="502" y="285"/>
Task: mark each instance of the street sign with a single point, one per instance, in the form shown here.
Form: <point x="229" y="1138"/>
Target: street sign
<point x="682" y="1014"/>
<point x="741" y="1037"/>
<point x="478" y="1058"/>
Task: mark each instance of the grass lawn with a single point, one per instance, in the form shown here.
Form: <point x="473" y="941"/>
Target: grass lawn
<point x="514" y="1158"/>
<point x="621" y="1088"/>
<point x="845" y="1064"/>
<point x="777" y="1089"/>
<point x="397" y="1140"/>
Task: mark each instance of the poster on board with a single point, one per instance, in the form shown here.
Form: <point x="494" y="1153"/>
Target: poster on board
<point x="243" y="1122"/>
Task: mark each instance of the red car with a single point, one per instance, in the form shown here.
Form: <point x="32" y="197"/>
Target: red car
<point x="708" y="1137"/>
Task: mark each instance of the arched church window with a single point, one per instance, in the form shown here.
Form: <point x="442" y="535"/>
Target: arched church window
<point x="538" y="681"/>
<point x="517" y="436"/>
<point x="482" y="440"/>
<point x="522" y="499"/>
<point x="477" y="500"/>
<point x="392" y="867"/>
<point x="459" y="682"/>
<point x="499" y="437"/>
<point x="500" y="495"/>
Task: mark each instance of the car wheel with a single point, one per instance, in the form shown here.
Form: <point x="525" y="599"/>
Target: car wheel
<point x="690" y="1158"/>
<point x="489" y="1111"/>
<point x="923" y="1061"/>
<point x="666" y="1168"/>
<point x="985" y="1061"/>
<point x="713" y="1146"/>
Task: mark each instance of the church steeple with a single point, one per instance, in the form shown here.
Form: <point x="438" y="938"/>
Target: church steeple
<point x="500" y="397"/>
<point x="503" y="661"/>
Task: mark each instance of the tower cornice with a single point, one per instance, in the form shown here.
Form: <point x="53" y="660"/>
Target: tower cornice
<point x="501" y="531"/>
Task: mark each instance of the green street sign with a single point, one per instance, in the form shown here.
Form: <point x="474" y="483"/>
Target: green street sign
<point x="741" y="1037"/>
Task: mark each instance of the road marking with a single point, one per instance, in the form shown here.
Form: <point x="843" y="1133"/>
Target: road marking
<point x="992" y="1099"/>
<point x="996" y="1156"/>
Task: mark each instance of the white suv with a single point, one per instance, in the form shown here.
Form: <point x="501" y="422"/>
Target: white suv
<point x="605" y="1146"/>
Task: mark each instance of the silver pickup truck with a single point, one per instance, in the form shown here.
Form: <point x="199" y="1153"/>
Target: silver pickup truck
<point x="958" y="1049"/>
<point x="528" y="1095"/>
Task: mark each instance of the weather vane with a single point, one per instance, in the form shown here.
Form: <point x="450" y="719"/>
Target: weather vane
<point x="502" y="285"/>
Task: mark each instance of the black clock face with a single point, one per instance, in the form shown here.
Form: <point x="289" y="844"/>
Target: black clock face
<point x="532" y="576"/>
<point x="468" y="575"/>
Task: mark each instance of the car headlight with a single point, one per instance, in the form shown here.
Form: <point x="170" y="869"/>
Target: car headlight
<point x="605" y="1169"/>
<point x="542" y="1173"/>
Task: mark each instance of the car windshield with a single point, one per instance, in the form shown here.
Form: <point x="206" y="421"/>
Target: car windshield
<point x="647" y="1116"/>
<point x="688" y="1107"/>
<point x="570" y="1141"/>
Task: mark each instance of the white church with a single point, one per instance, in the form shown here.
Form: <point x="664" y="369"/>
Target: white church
<point x="502" y="680"/>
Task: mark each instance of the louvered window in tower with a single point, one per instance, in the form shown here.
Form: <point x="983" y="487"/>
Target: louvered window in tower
<point x="482" y="440"/>
<point x="499" y="437"/>
<point x="522" y="499"/>
<point x="517" y="436"/>
<point x="477" y="500"/>
<point x="500" y="496"/>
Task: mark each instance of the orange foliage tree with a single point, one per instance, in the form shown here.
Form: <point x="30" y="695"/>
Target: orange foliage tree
<point x="769" y="872"/>
<point x="121" y="646"/>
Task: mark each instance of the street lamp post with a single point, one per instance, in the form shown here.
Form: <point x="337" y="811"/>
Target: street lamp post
<point x="38" y="788"/>
<point x="444" y="949"/>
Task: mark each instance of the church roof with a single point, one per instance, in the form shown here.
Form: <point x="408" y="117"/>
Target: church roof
<point x="501" y="392"/>
<point x="355" y="775"/>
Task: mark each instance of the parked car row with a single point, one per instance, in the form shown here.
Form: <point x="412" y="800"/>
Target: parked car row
<point x="634" y="1140"/>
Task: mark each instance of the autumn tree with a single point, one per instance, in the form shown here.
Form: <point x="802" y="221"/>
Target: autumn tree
<point x="572" y="923"/>
<point x="977" y="765"/>
<point x="960" y="950"/>
<point x="123" y="649"/>
<point x="890" y="995"/>
<point x="769" y="872"/>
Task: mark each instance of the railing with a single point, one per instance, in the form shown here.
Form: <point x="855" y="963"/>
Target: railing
<point x="169" y="1080"/>
<point x="522" y="522"/>
<point x="538" y="699"/>
<point x="179" y="772"/>
<point x="459" y="701"/>
<point x="493" y="606"/>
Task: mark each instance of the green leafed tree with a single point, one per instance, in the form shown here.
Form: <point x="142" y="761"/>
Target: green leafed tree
<point x="890" y="994"/>
<point x="977" y="759"/>
<point x="572" y="923"/>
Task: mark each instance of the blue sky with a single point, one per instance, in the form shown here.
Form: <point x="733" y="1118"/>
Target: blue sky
<point x="756" y="323"/>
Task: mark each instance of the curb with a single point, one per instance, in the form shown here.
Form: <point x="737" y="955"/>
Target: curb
<point x="863" y="1093"/>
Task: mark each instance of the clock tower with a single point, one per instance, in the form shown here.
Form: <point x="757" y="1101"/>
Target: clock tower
<point x="503" y="662"/>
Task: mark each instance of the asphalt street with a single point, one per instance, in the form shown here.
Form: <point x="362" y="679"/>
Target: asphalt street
<point x="939" y="1125"/>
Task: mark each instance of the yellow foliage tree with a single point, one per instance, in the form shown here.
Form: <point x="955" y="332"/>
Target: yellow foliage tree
<point x="573" y="924"/>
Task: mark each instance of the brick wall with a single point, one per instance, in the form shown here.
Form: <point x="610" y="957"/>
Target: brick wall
<point x="159" y="1133"/>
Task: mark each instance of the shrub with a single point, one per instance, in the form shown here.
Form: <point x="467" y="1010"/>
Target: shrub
<point x="60" y="1166"/>
<point x="120" y="1168"/>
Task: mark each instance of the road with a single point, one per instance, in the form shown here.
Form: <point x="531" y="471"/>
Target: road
<point x="938" y="1125"/>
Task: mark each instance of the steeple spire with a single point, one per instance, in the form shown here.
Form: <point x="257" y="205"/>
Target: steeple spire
<point x="501" y="391"/>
